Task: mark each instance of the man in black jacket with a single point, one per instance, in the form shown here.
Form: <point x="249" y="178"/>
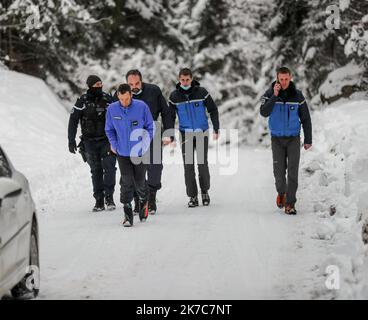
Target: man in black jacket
<point x="152" y="96"/>
<point x="287" y="111"/>
<point x="191" y="102"/>
<point x="90" y="111"/>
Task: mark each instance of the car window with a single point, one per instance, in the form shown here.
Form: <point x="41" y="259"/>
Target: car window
<point x="4" y="166"/>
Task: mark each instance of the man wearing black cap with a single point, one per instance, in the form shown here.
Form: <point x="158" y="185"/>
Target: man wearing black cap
<point x="90" y="111"/>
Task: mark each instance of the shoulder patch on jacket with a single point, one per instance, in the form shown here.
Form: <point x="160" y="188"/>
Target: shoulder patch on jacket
<point x="107" y="97"/>
<point x="172" y="102"/>
<point x="264" y="99"/>
<point x="80" y="109"/>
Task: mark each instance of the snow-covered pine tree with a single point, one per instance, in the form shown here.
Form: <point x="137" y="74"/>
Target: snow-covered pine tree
<point x="307" y="38"/>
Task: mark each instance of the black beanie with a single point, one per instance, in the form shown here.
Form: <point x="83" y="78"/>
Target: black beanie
<point x="91" y="80"/>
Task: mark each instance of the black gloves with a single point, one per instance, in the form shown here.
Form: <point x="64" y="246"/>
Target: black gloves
<point x="72" y="146"/>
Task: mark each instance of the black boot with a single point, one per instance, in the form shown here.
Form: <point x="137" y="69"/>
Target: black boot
<point x="152" y="208"/>
<point x="110" y="204"/>
<point x="193" y="202"/>
<point x="99" y="206"/>
<point x="136" y="205"/>
<point x="143" y="210"/>
<point x="128" y="215"/>
<point x="205" y="199"/>
<point x="290" y="209"/>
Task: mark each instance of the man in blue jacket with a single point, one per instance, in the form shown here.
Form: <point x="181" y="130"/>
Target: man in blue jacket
<point x="191" y="102"/>
<point x="153" y="97"/>
<point x="129" y="128"/>
<point x="287" y="111"/>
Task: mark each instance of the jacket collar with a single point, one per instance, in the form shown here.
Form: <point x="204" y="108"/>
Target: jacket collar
<point x="93" y="96"/>
<point x="128" y="107"/>
<point x="195" y="84"/>
<point x="289" y="92"/>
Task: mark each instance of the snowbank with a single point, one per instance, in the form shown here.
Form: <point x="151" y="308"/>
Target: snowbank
<point x="32" y="121"/>
<point x="334" y="175"/>
<point x="342" y="82"/>
<point x="33" y="132"/>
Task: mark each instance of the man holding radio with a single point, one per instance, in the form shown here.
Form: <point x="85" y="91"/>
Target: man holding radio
<point x="287" y="111"/>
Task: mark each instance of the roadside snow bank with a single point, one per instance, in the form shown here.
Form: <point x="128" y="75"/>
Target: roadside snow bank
<point x="335" y="184"/>
<point x="33" y="132"/>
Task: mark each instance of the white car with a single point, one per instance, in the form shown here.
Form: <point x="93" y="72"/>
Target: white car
<point x="19" y="250"/>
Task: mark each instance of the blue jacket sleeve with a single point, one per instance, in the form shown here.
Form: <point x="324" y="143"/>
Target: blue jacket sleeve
<point x="110" y="131"/>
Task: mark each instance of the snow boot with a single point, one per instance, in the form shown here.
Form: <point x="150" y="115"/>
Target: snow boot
<point x="193" y="202"/>
<point x="281" y="200"/>
<point x="128" y="215"/>
<point x="205" y="199"/>
<point x="152" y="208"/>
<point x="110" y="204"/>
<point x="99" y="206"/>
<point x="290" y="209"/>
<point x="143" y="210"/>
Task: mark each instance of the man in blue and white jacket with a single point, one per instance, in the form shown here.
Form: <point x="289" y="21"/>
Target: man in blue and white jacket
<point x="130" y="128"/>
<point x="287" y="111"/>
<point x="191" y="102"/>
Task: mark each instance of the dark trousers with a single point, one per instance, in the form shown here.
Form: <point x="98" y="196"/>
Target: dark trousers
<point x="286" y="156"/>
<point x="103" y="167"/>
<point x="133" y="172"/>
<point x="195" y="142"/>
<point x="154" y="164"/>
<point x="153" y="161"/>
<point x="154" y="170"/>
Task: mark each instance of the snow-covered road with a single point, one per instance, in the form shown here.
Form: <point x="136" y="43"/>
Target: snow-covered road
<point x="240" y="247"/>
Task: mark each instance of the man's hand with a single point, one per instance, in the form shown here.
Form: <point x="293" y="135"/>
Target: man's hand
<point x="276" y="89"/>
<point x="166" y="141"/>
<point x="216" y="136"/>
<point x="113" y="150"/>
<point x="72" y="146"/>
<point x="307" y="146"/>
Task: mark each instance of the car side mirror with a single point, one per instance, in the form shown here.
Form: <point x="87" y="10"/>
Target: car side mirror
<point x="9" y="188"/>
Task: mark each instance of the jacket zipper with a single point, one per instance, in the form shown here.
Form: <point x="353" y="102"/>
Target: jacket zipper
<point x="128" y="130"/>
<point x="285" y="118"/>
<point x="188" y="109"/>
